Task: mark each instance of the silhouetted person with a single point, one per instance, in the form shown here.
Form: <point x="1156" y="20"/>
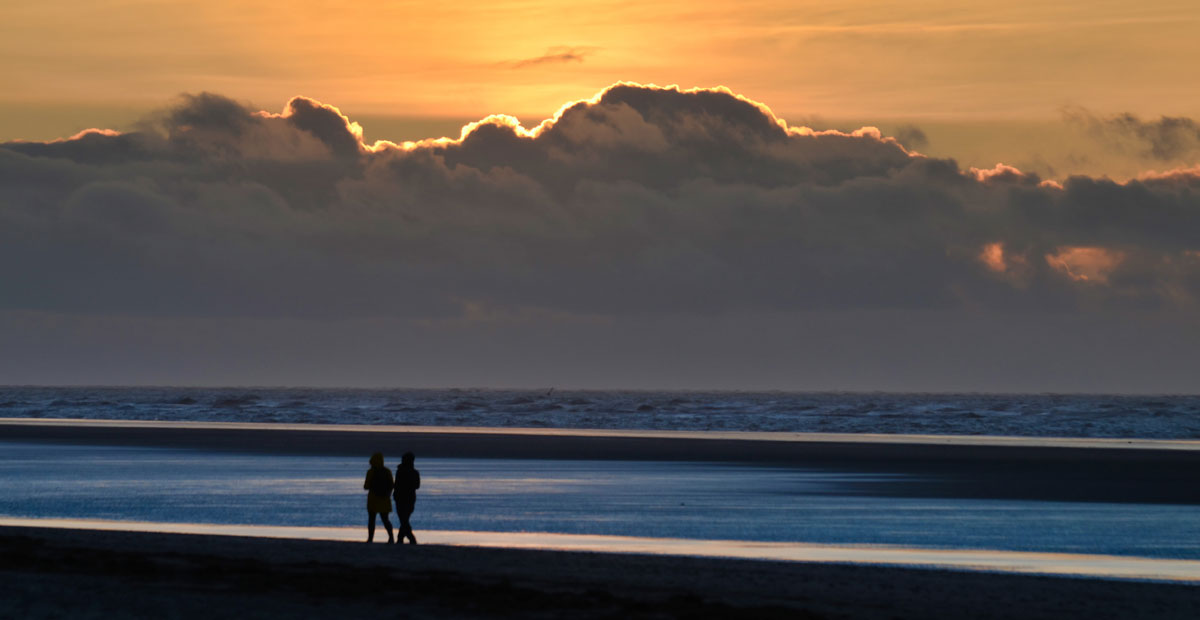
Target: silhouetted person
<point x="408" y="480"/>
<point x="378" y="486"/>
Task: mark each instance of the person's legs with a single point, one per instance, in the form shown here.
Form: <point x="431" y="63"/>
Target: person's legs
<point x="371" y="526"/>
<point x="406" y="531"/>
<point x="387" y="524"/>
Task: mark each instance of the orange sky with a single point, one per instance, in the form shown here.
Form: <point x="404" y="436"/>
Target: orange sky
<point x="987" y="83"/>
<point x="923" y="59"/>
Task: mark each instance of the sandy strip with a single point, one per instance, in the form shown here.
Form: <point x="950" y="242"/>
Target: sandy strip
<point x="1059" y="564"/>
<point x="1098" y="470"/>
<point x="48" y="573"/>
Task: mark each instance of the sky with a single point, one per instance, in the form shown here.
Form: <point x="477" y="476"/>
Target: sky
<point x="918" y="196"/>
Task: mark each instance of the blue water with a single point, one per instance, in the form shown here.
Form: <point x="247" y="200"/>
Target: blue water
<point x="645" y="499"/>
<point x="1045" y="415"/>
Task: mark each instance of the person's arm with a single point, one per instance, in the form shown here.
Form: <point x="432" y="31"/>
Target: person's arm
<point x="367" y="482"/>
<point x="416" y="480"/>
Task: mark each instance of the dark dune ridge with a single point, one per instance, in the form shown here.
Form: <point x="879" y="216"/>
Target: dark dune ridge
<point x="963" y="467"/>
<point x="48" y="573"/>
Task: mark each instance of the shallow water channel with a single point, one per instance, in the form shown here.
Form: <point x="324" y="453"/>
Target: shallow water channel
<point x="659" y="500"/>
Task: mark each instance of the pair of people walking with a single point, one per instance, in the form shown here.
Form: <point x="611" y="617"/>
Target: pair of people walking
<point x="403" y="488"/>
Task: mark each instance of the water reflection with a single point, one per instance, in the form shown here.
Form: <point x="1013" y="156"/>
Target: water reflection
<point x="657" y="500"/>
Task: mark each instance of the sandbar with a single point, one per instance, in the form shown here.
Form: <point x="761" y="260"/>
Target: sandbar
<point x="1091" y="470"/>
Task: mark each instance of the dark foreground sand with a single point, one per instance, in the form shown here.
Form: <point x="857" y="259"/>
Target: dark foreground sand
<point x="47" y="573"/>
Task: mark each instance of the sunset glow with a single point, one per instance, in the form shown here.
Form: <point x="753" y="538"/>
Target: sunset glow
<point x="993" y="257"/>
<point x="717" y="187"/>
<point x="603" y="270"/>
<point x="863" y="59"/>
<point x="1084" y="264"/>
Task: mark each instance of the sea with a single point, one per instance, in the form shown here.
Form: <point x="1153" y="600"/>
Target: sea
<point x="1020" y="415"/>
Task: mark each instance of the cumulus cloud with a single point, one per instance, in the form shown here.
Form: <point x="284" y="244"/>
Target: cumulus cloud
<point x="641" y="201"/>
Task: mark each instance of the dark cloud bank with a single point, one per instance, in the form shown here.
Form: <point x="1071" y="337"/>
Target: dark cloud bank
<point x="637" y="239"/>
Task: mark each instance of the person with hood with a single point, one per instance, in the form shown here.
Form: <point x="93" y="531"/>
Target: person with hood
<point x="378" y="486"/>
<point x="408" y="480"/>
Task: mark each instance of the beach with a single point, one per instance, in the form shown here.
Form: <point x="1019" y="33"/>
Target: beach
<point x="980" y="485"/>
<point x="53" y="573"/>
<point x="85" y="574"/>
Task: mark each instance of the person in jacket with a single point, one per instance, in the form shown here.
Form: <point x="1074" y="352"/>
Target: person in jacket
<point x="408" y="480"/>
<point x="378" y="485"/>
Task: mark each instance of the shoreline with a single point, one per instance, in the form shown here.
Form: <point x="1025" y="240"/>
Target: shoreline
<point x="1118" y="471"/>
<point x="55" y="573"/>
<point x="1012" y="441"/>
<point x="1049" y="564"/>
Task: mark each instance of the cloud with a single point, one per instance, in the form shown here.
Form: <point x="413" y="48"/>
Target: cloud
<point x="912" y="137"/>
<point x="642" y="201"/>
<point x="555" y="56"/>
<point x="1170" y="138"/>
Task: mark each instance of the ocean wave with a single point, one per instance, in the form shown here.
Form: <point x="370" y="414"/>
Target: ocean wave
<point x="1034" y="415"/>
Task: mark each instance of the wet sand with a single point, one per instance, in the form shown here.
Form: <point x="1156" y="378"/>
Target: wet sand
<point x="85" y="574"/>
<point x="1094" y="566"/>
<point x="1094" y="470"/>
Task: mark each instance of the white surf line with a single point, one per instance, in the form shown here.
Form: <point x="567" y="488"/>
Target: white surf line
<point x="862" y="438"/>
<point x="983" y="560"/>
